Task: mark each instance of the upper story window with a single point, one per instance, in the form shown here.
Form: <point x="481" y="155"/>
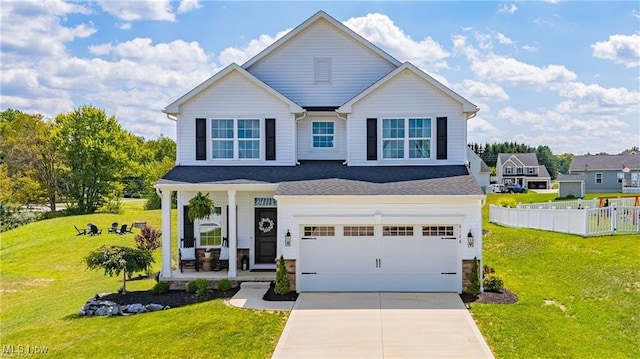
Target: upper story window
<point x="235" y="138"/>
<point x="520" y="170"/>
<point x="322" y="132"/>
<point x="406" y="138"/>
<point x="531" y="170"/>
<point x="508" y="170"/>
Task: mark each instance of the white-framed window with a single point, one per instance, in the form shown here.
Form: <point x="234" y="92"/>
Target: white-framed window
<point x="437" y="231"/>
<point x="235" y="138"/>
<point x="520" y="170"/>
<point x="397" y="231"/>
<point x="531" y="170"/>
<point x="508" y="170"/>
<point x="358" y="231"/>
<point x="620" y="177"/>
<point x="211" y="229"/>
<point x="320" y="231"/>
<point x="323" y="134"/>
<point x="404" y="138"/>
<point x="598" y="177"/>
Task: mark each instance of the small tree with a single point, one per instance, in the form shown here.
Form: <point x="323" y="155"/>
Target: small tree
<point x="116" y="259"/>
<point x="283" y="285"/>
<point x="148" y="239"/>
<point x="474" y="285"/>
<point x="200" y="206"/>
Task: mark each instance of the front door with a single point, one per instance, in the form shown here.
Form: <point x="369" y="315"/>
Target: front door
<point x="266" y="234"/>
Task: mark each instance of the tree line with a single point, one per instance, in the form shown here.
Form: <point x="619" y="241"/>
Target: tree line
<point x="83" y="158"/>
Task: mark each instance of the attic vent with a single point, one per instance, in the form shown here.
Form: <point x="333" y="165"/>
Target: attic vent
<point x="322" y="67"/>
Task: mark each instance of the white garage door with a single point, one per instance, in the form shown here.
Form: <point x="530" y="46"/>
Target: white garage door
<point x="381" y="258"/>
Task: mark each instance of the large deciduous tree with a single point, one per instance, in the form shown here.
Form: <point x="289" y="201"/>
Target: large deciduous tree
<point x="96" y="155"/>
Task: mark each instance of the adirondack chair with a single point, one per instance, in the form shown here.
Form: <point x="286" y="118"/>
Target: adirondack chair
<point x="122" y="230"/>
<point x="81" y="232"/>
<point x="94" y="230"/>
<point x="113" y="228"/>
<point x="187" y="252"/>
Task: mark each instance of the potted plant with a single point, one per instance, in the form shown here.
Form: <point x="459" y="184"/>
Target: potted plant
<point x="200" y="206"/>
<point x="207" y="253"/>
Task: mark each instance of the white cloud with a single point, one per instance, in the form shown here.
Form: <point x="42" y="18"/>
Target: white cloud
<point x="635" y="13"/>
<point x="124" y="26"/>
<point x="159" y="10"/>
<point x="507" y="9"/>
<point x="507" y="69"/>
<point x="529" y="48"/>
<point x="621" y="49"/>
<point x="503" y="39"/>
<point x="241" y="55"/>
<point x="188" y="5"/>
<point x="381" y="30"/>
<point x="481" y="90"/>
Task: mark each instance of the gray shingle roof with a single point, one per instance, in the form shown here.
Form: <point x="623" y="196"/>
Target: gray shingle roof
<point x="333" y="178"/>
<point x="528" y="159"/>
<point x="570" y="178"/>
<point x="605" y="162"/>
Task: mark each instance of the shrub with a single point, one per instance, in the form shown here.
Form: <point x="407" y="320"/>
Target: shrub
<point x="224" y="284"/>
<point x="148" y="239"/>
<point x="493" y="283"/>
<point x="507" y="202"/>
<point x="198" y="286"/>
<point x="161" y="288"/>
<point x="283" y="285"/>
<point x="474" y="285"/>
<point x="153" y="202"/>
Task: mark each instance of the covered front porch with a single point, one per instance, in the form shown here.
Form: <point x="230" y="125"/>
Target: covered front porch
<point x="243" y="227"/>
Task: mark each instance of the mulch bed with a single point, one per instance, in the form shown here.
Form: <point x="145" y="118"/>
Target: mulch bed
<point x="503" y="297"/>
<point x="271" y="295"/>
<point x="173" y="298"/>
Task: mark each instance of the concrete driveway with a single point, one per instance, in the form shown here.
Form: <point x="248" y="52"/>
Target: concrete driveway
<point x="380" y="325"/>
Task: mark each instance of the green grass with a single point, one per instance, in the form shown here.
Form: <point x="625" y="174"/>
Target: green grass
<point x="578" y="298"/>
<point x="44" y="282"/>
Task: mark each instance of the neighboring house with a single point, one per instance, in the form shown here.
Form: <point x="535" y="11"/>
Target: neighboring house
<point x="524" y="169"/>
<point x="479" y="169"/>
<point x="327" y="150"/>
<point x="608" y="173"/>
<point x="571" y="185"/>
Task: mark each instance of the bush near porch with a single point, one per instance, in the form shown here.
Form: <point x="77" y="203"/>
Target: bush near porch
<point x="578" y="298"/>
<point x="44" y="282"/>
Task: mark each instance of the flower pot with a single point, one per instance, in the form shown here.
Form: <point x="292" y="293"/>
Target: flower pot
<point x="207" y="254"/>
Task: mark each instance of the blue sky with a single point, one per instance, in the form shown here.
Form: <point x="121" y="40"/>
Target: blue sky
<point x="559" y="73"/>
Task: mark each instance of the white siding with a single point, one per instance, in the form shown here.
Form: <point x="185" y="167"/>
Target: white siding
<point x="290" y="70"/>
<point x="305" y="140"/>
<point x="231" y="97"/>
<point x="407" y="95"/>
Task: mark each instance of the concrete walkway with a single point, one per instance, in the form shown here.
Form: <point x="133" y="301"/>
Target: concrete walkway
<point x="250" y="296"/>
<point x="380" y="325"/>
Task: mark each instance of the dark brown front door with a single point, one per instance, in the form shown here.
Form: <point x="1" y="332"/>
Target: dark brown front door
<point x="266" y="231"/>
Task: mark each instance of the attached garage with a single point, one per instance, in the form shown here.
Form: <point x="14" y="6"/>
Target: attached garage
<point x="420" y="258"/>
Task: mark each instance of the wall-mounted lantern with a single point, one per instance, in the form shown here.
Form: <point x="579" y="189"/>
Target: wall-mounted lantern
<point x="287" y="239"/>
<point x="469" y="239"/>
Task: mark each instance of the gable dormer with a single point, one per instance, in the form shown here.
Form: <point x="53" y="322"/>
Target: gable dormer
<point x="321" y="63"/>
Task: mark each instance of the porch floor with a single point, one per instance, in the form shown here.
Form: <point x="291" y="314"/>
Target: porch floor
<point x="241" y="276"/>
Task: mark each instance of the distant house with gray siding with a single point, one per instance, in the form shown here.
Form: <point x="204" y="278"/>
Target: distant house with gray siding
<point x="607" y="173"/>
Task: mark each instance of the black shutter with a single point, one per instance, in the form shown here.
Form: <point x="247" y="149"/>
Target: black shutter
<point x="187" y="224"/>
<point x="441" y="138"/>
<point x="372" y="139"/>
<point x="270" y="139"/>
<point x="201" y="139"/>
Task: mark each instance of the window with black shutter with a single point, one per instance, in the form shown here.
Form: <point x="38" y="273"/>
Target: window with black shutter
<point x="441" y="138"/>
<point x="270" y="139"/>
<point x="372" y="139"/>
<point x="201" y="139"/>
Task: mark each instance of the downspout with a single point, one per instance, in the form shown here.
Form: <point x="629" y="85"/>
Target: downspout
<point x="347" y="126"/>
<point x="304" y="114"/>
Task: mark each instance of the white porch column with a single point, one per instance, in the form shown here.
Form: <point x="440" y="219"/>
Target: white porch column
<point x="232" y="233"/>
<point x="166" y="233"/>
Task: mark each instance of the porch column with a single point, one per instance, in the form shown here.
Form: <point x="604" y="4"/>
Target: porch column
<point x="231" y="232"/>
<point x="166" y="233"/>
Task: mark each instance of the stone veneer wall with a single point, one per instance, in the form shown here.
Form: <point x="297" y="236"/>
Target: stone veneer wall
<point x="467" y="265"/>
<point x="290" y="264"/>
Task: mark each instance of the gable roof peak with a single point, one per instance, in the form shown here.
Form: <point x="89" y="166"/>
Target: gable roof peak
<point x="320" y="15"/>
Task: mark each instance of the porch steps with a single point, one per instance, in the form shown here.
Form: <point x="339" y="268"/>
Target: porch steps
<point x="255" y="285"/>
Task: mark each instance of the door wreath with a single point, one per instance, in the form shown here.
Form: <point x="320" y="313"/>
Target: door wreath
<point x="265" y="225"/>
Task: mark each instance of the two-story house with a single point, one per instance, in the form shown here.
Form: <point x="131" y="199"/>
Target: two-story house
<point x="523" y="169"/>
<point x="327" y="150"/>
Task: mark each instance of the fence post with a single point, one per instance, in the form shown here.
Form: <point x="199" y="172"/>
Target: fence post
<point x="614" y="217"/>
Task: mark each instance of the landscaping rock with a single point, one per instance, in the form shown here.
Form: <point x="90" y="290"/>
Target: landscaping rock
<point x="99" y="307"/>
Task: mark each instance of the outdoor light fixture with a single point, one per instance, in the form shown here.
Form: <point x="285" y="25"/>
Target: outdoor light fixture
<point x="287" y="239"/>
<point x="470" y="239"/>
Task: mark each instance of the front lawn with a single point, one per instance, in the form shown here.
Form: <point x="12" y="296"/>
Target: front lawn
<point x="44" y="282"/>
<point x="578" y="298"/>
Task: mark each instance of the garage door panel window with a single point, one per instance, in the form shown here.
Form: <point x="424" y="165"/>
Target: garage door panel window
<point x="320" y="231"/>
<point x="437" y="231"/>
<point x="358" y="231"/>
<point x="397" y="231"/>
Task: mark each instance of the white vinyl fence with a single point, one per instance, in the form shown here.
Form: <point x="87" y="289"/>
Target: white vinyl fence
<point x="584" y="222"/>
